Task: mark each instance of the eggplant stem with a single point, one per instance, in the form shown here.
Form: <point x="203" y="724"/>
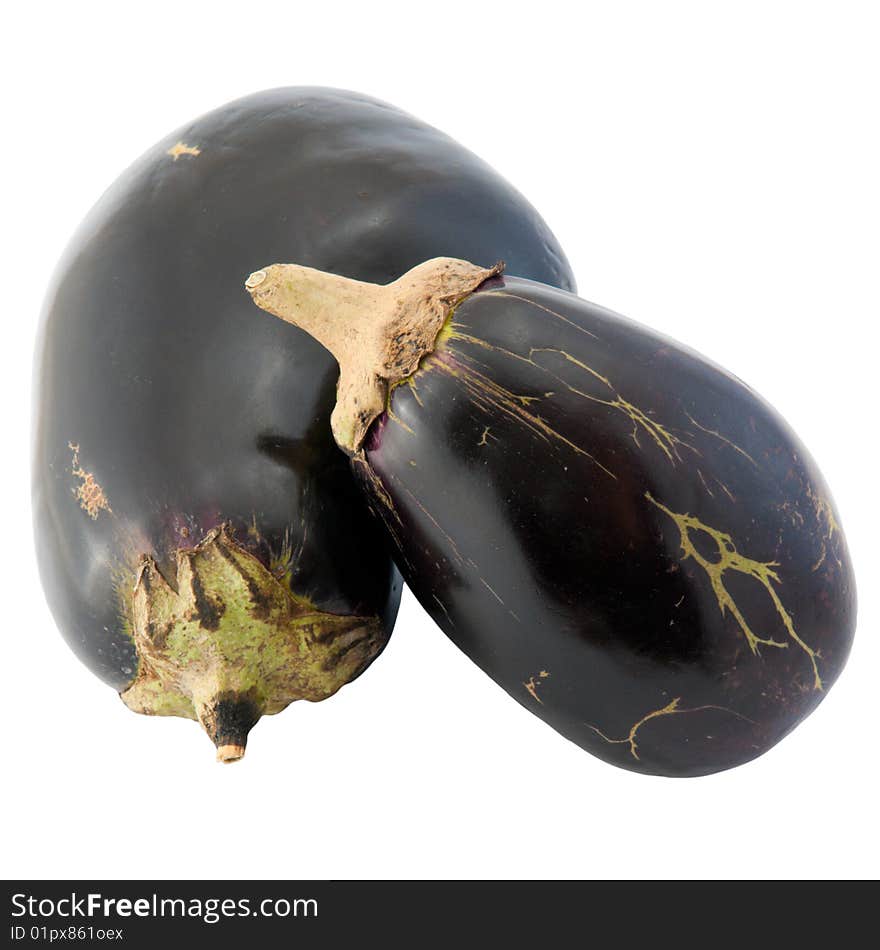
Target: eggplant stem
<point x="377" y="333"/>
<point x="230" y="753"/>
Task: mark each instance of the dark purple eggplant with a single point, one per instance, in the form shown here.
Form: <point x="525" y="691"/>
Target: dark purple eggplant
<point x="201" y="540"/>
<point x="620" y="533"/>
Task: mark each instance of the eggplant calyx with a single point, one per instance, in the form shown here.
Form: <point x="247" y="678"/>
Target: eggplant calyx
<point x="377" y="333"/>
<point x="225" y="642"/>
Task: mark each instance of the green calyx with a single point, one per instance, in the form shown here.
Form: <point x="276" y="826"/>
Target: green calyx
<point x="227" y="642"/>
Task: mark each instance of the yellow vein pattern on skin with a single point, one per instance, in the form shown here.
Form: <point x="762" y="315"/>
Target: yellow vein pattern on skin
<point x="724" y="439"/>
<point x="665" y="440"/>
<point x="442" y="606"/>
<point x="281" y="563"/>
<point x="454" y="548"/>
<point x="539" y="306"/>
<point x="670" y="709"/>
<point x="377" y="486"/>
<point x="449" y="539"/>
<point x="824" y="513"/>
<point x="726" y="490"/>
<point x="533" y="683"/>
<point x="731" y="560"/>
<point x="384" y="506"/>
<point x="492" y="591"/>
<point x="399" y="421"/>
<point x="284" y="561"/>
<point x="705" y="485"/>
<point x="406" y="381"/>
<point x="486" y="392"/>
<point x="281" y="560"/>
<point x="411" y="382"/>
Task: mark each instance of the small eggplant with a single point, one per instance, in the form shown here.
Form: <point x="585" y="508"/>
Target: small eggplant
<point x="202" y="543"/>
<point x="620" y="533"/>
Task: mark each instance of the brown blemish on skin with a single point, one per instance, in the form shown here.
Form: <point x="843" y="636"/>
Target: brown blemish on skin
<point x="533" y="684"/>
<point x="181" y="148"/>
<point x="89" y="493"/>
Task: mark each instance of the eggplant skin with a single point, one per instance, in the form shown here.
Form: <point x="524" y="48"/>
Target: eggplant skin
<point x="164" y="412"/>
<point x="624" y="536"/>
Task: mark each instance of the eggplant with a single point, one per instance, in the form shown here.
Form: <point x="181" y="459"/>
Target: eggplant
<point x="202" y="543"/>
<point x="623" y="535"/>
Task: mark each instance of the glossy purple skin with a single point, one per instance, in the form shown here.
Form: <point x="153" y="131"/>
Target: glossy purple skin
<point x="535" y="478"/>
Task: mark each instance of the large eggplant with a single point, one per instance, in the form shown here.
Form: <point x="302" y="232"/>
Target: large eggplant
<point x="623" y="535"/>
<point x="201" y="540"/>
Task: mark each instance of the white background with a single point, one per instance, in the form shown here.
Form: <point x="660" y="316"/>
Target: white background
<point x="712" y="170"/>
